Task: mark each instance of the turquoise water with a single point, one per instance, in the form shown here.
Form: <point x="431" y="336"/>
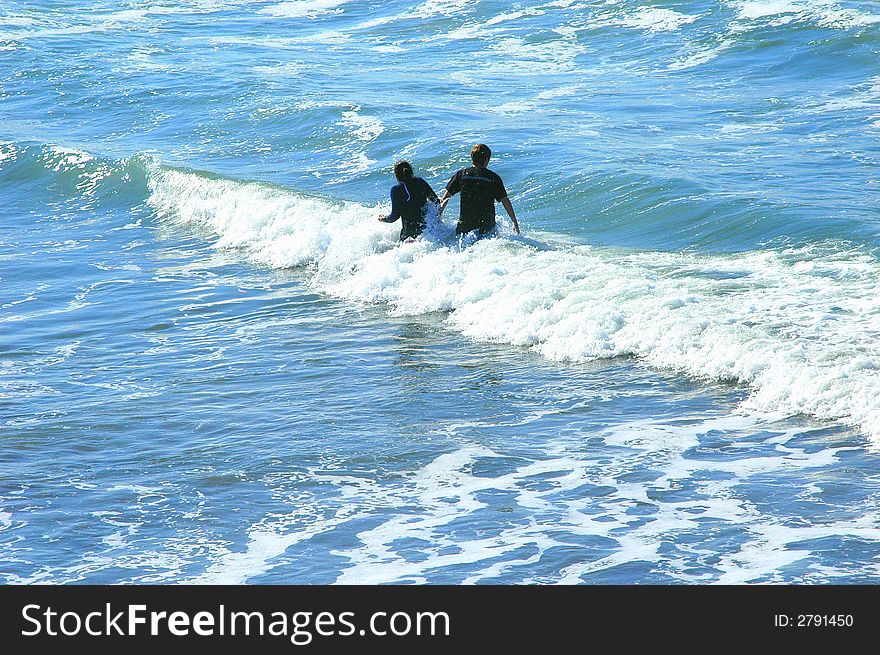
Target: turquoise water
<point x="217" y="366"/>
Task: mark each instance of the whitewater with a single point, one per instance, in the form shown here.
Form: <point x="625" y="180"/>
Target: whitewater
<point x="217" y="366"/>
<point x="796" y="325"/>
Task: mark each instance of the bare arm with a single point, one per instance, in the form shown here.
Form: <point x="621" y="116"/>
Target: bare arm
<point x="509" y="209"/>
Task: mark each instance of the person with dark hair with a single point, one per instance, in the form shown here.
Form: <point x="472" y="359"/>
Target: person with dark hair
<point x="480" y="189"/>
<point x="409" y="201"/>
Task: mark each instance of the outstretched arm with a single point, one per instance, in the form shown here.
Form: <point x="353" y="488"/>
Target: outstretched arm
<point x="395" y="210"/>
<point x="509" y="209"/>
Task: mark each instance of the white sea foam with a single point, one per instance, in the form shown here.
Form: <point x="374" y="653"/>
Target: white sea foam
<point x="192" y="7"/>
<point x="142" y="59"/>
<point x="560" y="92"/>
<point x="361" y="130"/>
<point x="390" y="49"/>
<point x="364" y="128"/>
<point x="304" y="8"/>
<point x="376" y="22"/>
<point x="328" y="37"/>
<point x="17" y="21"/>
<point x="864" y="97"/>
<point x="799" y="327"/>
<point x="541" y="102"/>
<point x="433" y="507"/>
<point x="288" y="69"/>
<point x="62" y="159"/>
<point x="34" y="29"/>
<point x="5" y="154"/>
<point x="538" y="59"/>
<point x="125" y="16"/>
<point x="513" y="16"/>
<point x="777" y="13"/>
<point x="655" y="19"/>
<point x="271" y="43"/>
<point x="265" y="542"/>
<point x="427" y="10"/>
<point x="701" y="56"/>
<point x="754" y="9"/>
<point x="442" y="8"/>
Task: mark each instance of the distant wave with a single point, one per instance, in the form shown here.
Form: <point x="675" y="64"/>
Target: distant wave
<point x="69" y="172"/>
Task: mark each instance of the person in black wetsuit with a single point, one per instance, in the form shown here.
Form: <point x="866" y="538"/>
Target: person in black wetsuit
<point x="409" y="201"/>
<point x="480" y="189"/>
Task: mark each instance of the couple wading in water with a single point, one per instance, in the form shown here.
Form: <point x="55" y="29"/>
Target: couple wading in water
<point x="480" y="189"/>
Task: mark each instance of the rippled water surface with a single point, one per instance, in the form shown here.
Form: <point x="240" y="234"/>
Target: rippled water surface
<point x="217" y="366"/>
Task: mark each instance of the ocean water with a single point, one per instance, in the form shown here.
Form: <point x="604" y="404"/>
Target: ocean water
<point x="217" y="366"/>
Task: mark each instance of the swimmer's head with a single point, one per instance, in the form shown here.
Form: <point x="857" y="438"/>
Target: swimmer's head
<point x="480" y="154"/>
<point x="403" y="170"/>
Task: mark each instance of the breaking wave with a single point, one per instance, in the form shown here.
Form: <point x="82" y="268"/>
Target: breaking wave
<point x="797" y="325"/>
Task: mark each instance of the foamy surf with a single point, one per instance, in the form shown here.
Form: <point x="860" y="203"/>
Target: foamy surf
<point x="247" y="390"/>
<point x="798" y="326"/>
<point x="573" y="495"/>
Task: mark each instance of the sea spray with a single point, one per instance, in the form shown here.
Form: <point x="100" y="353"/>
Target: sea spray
<point x="796" y="325"/>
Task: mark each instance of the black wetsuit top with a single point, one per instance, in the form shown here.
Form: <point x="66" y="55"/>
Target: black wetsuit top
<point x="480" y="189"/>
<point x="409" y="202"/>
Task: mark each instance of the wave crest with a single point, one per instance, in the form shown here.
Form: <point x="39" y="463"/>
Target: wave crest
<point x="798" y="326"/>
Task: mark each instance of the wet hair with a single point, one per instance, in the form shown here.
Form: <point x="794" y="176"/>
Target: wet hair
<point x="480" y="154"/>
<point x="403" y="170"/>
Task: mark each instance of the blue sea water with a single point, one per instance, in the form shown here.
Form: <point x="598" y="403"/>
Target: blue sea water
<point x="217" y="366"/>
